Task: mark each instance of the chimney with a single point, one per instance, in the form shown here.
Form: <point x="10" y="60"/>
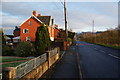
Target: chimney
<point x="56" y="25"/>
<point x="34" y="13"/>
<point x="39" y="15"/>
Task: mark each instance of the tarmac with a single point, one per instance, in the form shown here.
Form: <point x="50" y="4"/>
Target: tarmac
<point x="68" y="66"/>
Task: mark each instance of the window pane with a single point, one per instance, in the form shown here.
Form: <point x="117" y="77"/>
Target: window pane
<point x="26" y="30"/>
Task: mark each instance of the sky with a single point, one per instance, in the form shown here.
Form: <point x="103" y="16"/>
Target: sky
<point x="79" y="14"/>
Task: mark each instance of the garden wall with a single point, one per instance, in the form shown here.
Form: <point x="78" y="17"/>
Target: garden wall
<point x="32" y="69"/>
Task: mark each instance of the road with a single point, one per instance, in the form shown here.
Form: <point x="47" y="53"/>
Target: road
<point x="98" y="61"/>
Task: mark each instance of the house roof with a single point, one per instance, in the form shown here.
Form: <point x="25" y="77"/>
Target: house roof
<point x="45" y="19"/>
<point x="41" y="19"/>
<point x="32" y="17"/>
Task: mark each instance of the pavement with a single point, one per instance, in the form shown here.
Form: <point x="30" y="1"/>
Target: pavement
<point x="98" y="61"/>
<point x="68" y="66"/>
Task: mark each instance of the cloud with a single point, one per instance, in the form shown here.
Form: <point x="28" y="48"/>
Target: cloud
<point x="8" y="28"/>
<point x="80" y="14"/>
<point x="61" y="0"/>
<point x="16" y="9"/>
<point x="81" y="20"/>
<point x="11" y="21"/>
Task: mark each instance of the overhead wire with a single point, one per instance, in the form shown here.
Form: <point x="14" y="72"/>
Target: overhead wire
<point x="57" y="6"/>
<point x="62" y="3"/>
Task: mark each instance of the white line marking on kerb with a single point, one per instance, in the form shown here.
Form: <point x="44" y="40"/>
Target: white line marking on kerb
<point x="113" y="56"/>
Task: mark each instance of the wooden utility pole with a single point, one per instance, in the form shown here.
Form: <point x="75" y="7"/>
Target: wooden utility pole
<point x="66" y="31"/>
<point x="93" y="30"/>
<point x="93" y="26"/>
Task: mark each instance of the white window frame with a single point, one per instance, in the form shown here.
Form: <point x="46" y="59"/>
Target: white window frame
<point x="27" y="38"/>
<point x="25" y="29"/>
<point x="29" y="23"/>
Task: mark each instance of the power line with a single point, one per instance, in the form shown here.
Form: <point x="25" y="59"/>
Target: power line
<point x="57" y="6"/>
<point x="62" y="3"/>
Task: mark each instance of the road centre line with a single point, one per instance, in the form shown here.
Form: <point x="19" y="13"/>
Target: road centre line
<point x="102" y="51"/>
<point x="113" y="56"/>
<point x="95" y="48"/>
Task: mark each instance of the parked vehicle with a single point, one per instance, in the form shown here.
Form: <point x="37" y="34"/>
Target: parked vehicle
<point x="9" y="43"/>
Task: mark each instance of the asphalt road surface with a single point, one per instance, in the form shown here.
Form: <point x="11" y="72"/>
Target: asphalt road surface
<point x="98" y="61"/>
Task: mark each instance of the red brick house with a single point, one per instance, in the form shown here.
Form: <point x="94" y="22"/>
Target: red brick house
<point x="29" y="27"/>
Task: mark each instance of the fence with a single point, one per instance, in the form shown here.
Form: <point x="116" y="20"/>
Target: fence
<point x="28" y="66"/>
<point x="53" y="52"/>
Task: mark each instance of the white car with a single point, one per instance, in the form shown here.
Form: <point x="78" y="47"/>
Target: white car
<point x="9" y="43"/>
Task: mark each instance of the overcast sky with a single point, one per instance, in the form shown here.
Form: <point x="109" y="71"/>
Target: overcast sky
<point x="79" y="14"/>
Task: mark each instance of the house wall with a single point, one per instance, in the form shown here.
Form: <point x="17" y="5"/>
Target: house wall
<point x="32" y="30"/>
<point x="51" y="32"/>
<point x="56" y="31"/>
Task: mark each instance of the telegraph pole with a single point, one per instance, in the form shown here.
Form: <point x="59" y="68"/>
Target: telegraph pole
<point x="66" y="31"/>
<point x="93" y="26"/>
<point x="93" y="30"/>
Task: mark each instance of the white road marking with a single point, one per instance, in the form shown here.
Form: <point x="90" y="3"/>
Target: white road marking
<point x="113" y="56"/>
<point x="103" y="51"/>
<point x="95" y="48"/>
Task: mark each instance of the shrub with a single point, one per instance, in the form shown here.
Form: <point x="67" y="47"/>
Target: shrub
<point x="42" y="41"/>
<point x="3" y="38"/>
<point x="25" y="49"/>
<point x="69" y="40"/>
<point x="7" y="51"/>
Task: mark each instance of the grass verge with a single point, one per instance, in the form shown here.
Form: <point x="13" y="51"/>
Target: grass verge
<point x="12" y="64"/>
<point x="10" y="59"/>
<point x="111" y="46"/>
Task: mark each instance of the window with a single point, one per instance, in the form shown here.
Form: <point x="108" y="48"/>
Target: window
<point x="30" y="23"/>
<point x="27" y="38"/>
<point x="25" y="30"/>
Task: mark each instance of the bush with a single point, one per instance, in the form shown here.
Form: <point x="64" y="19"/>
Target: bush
<point x="69" y="40"/>
<point x="3" y="38"/>
<point x="24" y="49"/>
<point x="42" y="41"/>
<point x="109" y="38"/>
<point x="7" y="51"/>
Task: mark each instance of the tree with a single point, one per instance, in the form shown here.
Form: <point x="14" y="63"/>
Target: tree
<point x="42" y="41"/>
<point x="25" y="49"/>
<point x="3" y="38"/>
<point x="7" y="51"/>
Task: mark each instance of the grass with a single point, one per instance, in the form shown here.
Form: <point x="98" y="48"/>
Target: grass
<point x="112" y="46"/>
<point x="12" y="64"/>
<point x="10" y="59"/>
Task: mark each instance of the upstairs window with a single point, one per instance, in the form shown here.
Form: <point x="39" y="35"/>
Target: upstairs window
<point x="29" y="23"/>
<point x="25" y="30"/>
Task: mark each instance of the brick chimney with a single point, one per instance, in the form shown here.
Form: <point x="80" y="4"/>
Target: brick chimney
<point x="56" y="25"/>
<point x="39" y="15"/>
<point x="34" y="13"/>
